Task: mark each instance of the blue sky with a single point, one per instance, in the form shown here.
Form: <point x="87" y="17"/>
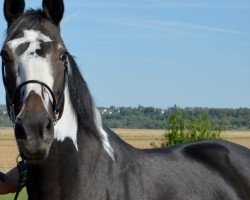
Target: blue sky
<point x="158" y="52"/>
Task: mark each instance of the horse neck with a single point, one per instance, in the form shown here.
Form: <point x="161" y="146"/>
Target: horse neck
<point x="65" y="170"/>
<point x="74" y="147"/>
<point x="70" y="168"/>
<point x="71" y="135"/>
<point x="76" y="155"/>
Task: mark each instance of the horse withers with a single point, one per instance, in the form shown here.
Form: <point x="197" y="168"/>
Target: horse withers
<point x="70" y="154"/>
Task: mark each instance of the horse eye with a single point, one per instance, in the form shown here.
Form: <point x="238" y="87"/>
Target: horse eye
<point x="5" y="56"/>
<point x="63" y="56"/>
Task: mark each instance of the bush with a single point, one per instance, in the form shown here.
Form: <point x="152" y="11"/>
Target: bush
<point x="180" y="129"/>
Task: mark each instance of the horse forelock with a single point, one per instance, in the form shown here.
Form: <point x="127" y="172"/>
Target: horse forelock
<point x="31" y="19"/>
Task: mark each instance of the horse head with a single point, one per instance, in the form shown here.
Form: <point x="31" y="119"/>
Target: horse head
<point x="34" y="64"/>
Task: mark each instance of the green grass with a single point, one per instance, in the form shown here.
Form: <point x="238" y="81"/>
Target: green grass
<point x="22" y="196"/>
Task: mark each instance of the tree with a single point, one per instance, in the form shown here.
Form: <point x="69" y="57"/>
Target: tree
<point x="180" y="129"/>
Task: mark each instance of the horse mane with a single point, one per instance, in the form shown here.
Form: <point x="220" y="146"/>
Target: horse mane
<point x="82" y="100"/>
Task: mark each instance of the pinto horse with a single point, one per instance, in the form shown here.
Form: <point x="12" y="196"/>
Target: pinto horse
<point x="70" y="154"/>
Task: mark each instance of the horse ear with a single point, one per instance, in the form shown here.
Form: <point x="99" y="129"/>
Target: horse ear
<point x="54" y="10"/>
<point x="13" y="9"/>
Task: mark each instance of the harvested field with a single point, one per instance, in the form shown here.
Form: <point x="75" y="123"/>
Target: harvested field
<point x="8" y="149"/>
<point x="140" y="138"/>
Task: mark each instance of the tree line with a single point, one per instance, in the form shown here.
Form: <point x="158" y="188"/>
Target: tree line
<point x="156" y="118"/>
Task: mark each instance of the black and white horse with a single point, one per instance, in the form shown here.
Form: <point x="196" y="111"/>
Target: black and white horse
<point x="70" y="154"/>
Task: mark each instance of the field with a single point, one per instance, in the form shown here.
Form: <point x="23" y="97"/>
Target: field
<point x="140" y="138"/>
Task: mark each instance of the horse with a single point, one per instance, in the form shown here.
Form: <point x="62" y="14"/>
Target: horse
<point x="70" y="154"/>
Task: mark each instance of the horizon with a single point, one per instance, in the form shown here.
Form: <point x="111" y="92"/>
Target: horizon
<point x="191" y="107"/>
<point x="159" y="53"/>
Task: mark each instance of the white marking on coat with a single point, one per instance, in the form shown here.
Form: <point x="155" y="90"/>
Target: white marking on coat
<point x="67" y="127"/>
<point x="103" y="134"/>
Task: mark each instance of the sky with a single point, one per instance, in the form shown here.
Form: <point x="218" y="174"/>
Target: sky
<point x="159" y="53"/>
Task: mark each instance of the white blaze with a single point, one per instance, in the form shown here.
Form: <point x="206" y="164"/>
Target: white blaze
<point x="30" y="66"/>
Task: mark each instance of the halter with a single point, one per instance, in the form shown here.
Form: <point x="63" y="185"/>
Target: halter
<point x="56" y="106"/>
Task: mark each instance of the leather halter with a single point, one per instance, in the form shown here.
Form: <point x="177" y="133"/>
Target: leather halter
<point x="56" y="105"/>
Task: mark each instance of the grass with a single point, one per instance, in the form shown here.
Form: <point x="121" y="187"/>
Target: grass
<point x="22" y="196"/>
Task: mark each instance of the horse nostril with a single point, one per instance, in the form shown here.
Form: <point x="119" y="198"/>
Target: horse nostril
<point x="47" y="132"/>
<point x="19" y="131"/>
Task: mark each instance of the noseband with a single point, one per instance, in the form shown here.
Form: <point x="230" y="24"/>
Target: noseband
<point x="56" y="105"/>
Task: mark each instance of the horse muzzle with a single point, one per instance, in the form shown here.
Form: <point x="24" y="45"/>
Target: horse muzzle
<point x="34" y="129"/>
